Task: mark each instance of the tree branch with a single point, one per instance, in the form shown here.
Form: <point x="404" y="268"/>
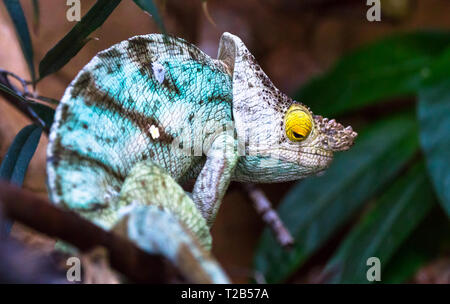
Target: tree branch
<point x="68" y="226"/>
<point x="269" y="216"/>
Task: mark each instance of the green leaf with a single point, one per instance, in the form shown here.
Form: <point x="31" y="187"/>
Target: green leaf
<point x="384" y="228"/>
<point x="15" y="163"/>
<point x="42" y="114"/>
<point x="391" y="67"/>
<point x="20" y="23"/>
<point x="434" y="117"/>
<point x="78" y="36"/>
<point x="150" y="7"/>
<point x="317" y="207"/>
<point x="46" y="113"/>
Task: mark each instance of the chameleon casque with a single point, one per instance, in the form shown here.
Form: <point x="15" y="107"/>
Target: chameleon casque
<point x="153" y="112"/>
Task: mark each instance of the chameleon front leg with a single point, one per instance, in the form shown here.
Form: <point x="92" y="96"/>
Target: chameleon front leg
<point x="215" y="176"/>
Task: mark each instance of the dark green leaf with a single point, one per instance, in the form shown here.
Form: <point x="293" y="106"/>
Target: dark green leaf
<point x="434" y="116"/>
<point x="150" y="7"/>
<point x="388" y="68"/>
<point x="15" y="163"/>
<point x="384" y="228"/>
<point x="46" y="113"/>
<point x="78" y="36"/>
<point x="420" y="248"/>
<point x="17" y="158"/>
<point x="20" y="23"/>
<point x="40" y="113"/>
<point x="317" y="207"/>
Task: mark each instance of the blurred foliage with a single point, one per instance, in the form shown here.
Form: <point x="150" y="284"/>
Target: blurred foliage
<point x="397" y="9"/>
<point x="381" y="231"/>
<point x="395" y="66"/>
<point x="434" y="117"/>
<point x="385" y="168"/>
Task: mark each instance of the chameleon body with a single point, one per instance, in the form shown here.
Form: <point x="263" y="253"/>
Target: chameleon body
<point x="153" y="112"/>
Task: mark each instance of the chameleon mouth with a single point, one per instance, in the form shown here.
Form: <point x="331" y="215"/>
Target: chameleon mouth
<point x="318" y="152"/>
<point x="316" y="159"/>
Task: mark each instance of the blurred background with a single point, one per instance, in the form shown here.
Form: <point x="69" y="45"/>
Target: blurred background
<point x="388" y="197"/>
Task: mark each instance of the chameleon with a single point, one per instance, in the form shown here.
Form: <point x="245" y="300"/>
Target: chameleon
<point x="150" y="113"/>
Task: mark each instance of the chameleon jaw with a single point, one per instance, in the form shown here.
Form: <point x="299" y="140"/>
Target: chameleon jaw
<point x="318" y="152"/>
<point x="318" y="159"/>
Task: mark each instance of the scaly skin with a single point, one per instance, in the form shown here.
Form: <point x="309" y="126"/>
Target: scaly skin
<point x="157" y="210"/>
<point x="154" y="110"/>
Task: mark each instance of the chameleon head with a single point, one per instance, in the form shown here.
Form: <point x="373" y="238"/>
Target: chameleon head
<point x="295" y="143"/>
<point x="283" y="139"/>
<point x="310" y="140"/>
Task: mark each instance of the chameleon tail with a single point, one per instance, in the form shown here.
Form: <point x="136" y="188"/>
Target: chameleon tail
<point x="161" y="218"/>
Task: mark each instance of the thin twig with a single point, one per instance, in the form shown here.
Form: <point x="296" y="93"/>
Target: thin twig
<point x="19" y="103"/>
<point x="41" y="215"/>
<point x="269" y="216"/>
<point x="45" y="99"/>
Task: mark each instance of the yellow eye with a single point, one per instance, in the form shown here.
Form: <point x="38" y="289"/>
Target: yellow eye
<point x="298" y="123"/>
